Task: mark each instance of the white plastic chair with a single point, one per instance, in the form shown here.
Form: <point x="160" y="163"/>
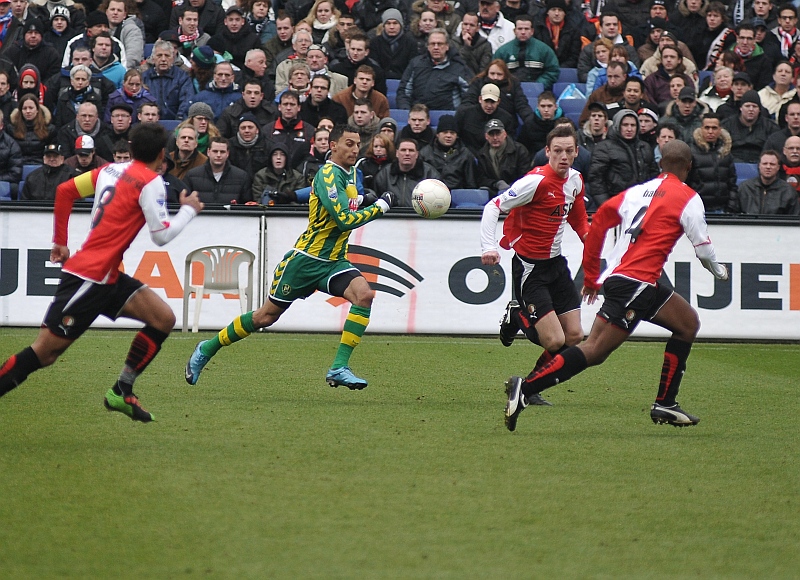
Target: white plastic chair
<point x="221" y="266"/>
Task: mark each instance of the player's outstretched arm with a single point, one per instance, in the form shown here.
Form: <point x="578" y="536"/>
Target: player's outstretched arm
<point x="693" y="220"/>
<point x="192" y="200"/>
<point x="153" y="203"/>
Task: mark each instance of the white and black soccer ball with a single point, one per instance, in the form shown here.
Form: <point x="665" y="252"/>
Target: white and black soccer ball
<point x="430" y="198"/>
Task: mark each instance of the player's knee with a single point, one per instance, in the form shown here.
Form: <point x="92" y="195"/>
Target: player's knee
<point x="365" y="298"/>
<point x="553" y="343"/>
<point x="573" y="337"/>
<point x="168" y="322"/>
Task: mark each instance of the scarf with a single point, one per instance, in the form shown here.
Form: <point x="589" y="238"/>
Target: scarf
<point x="487" y="25"/>
<point x="5" y="22"/>
<point x="739" y="51"/>
<point x="202" y="142"/>
<point x="91" y="133"/>
<point x="738" y="12"/>
<point x="379" y="159"/>
<point x="716" y="48"/>
<point x="555" y="31"/>
<point x="394" y="41"/>
<point x="787" y="40"/>
<point x="246" y="144"/>
<point x="188" y="38"/>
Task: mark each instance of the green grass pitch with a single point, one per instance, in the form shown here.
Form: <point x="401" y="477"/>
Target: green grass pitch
<point x="263" y="471"/>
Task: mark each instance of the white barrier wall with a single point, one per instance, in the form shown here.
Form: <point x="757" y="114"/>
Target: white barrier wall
<point x="428" y="275"/>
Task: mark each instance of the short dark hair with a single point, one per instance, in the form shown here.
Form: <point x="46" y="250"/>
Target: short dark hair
<point x="745" y="26"/>
<point x="712" y="115"/>
<point x="365" y="69"/>
<point x="636" y="80"/>
<point x="777" y="155"/>
<point x="121" y="146"/>
<point x="325" y="78"/>
<point x="720" y="9"/>
<point x="291" y="94"/>
<point x="363" y="103"/>
<point x="219" y="139"/>
<point x="408" y="140"/>
<point x="546" y="96"/>
<point x="148" y="104"/>
<point x="562" y="130"/>
<point x="360" y="36"/>
<point x="420" y="108"/>
<point x="524" y="18"/>
<point x="671" y="126"/>
<point x="253" y="82"/>
<point x="623" y="66"/>
<point x="147" y="141"/>
<point x="607" y="13"/>
<point x="339" y="130"/>
<point x="787" y="6"/>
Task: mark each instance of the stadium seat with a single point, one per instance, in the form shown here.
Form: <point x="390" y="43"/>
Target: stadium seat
<point x="169" y="125"/>
<point x="568" y="75"/>
<point x="745" y="171"/>
<point x="27" y="170"/>
<point x="5" y="191"/>
<point x="558" y="88"/>
<point x="572" y="105"/>
<point x="468" y="198"/>
<point x="391" y="91"/>
<point x="148" y="50"/>
<point x="574" y="117"/>
<point x="705" y="74"/>
<point x="221" y="266"/>
<point x="401" y="116"/>
<point x="532" y="90"/>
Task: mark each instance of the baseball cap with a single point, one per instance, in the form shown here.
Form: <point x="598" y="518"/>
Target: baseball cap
<point x="235" y="8"/>
<point x="649" y="111"/>
<point x="319" y="47"/>
<point x="83" y="144"/>
<point x="170" y="36"/>
<point x="742" y="76"/>
<point x="756" y="22"/>
<point x="53" y="149"/>
<point x="5" y="1"/>
<point x="490" y="92"/>
<point x="597" y="106"/>
<point x="494" y="125"/>
<point x="687" y="94"/>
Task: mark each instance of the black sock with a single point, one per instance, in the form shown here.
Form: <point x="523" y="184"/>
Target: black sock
<point x="675" y="355"/>
<point x="17" y="368"/>
<point x="546" y="357"/>
<point x="144" y="348"/>
<point x="563" y="367"/>
<point x="526" y="326"/>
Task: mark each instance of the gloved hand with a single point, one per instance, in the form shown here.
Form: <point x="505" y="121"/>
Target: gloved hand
<point x="283" y="196"/>
<point x="387" y="201"/>
<point x="368" y="199"/>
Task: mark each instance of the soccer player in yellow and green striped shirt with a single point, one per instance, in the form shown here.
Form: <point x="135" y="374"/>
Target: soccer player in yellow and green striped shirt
<point x="318" y="261"/>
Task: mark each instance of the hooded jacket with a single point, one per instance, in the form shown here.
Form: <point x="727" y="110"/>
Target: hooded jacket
<point x="713" y="174"/>
<point x="691" y="27"/>
<point x="130" y="33"/>
<point x="268" y="179"/>
<point x="43" y="10"/>
<point x="618" y="163"/>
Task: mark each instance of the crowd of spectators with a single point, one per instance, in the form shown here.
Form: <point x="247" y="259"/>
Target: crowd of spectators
<point x="253" y="89"/>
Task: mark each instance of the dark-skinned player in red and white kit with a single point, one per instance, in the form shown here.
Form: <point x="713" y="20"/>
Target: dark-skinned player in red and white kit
<point x="652" y="217"/>
<point x="128" y="197"/>
<point x="540" y="204"/>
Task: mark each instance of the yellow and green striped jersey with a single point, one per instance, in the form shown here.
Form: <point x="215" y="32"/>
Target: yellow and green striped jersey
<point x="332" y="213"/>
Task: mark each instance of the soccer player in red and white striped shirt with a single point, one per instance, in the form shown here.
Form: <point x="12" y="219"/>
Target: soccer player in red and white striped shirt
<point x="540" y="205"/>
<point x="652" y="217"/>
<point x="128" y="196"/>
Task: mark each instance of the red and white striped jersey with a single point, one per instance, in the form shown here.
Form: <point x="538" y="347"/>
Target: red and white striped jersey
<point x="539" y="205"/>
<point x="652" y="217"/>
<point x="127" y="195"/>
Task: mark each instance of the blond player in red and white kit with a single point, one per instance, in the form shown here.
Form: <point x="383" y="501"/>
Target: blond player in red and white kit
<point x="128" y="196"/>
<point x="546" y="304"/>
<point x="652" y="217"/>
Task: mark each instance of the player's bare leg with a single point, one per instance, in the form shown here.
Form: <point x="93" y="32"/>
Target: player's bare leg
<point x="679" y="317"/>
<point x="360" y="295"/>
<point x="159" y="320"/>
<point x="240" y="328"/>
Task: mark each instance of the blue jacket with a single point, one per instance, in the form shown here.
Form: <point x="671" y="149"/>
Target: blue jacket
<point x="217" y="99"/>
<point x="172" y="92"/>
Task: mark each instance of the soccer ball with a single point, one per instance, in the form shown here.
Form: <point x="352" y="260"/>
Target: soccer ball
<point x="430" y="198"/>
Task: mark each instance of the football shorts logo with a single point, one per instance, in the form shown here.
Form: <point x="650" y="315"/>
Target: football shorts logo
<point x="67" y="321"/>
<point x="532" y="310"/>
<point x="630" y="315"/>
<point x="286" y="289"/>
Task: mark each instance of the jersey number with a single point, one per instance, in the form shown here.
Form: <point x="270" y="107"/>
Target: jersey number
<point x="636" y="225"/>
<point x="105" y="198"/>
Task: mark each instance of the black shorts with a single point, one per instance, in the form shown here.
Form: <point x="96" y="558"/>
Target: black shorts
<point x="628" y="302"/>
<point x="543" y="286"/>
<point x="78" y="302"/>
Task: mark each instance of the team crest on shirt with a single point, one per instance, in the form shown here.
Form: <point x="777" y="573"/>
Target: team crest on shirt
<point x="67" y="321"/>
<point x="332" y="192"/>
<point x="286" y="288"/>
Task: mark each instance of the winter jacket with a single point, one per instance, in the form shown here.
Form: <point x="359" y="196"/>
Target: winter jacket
<point x="632" y="13"/>
<point x="171" y="91"/>
<point x="760" y="67"/>
<point x="346" y="98"/>
<point x="512" y="98"/>
<point x="234" y="184"/>
<point x="134" y="102"/>
<point x="60" y="80"/>
<point x="748" y="142"/>
<point x="182" y="167"/>
<point x="471" y="122"/>
<point x="514" y="160"/>
<point x="691" y="27"/>
<point x="392" y="54"/>
<point x="588" y="141"/>
<point x="569" y="40"/>
<point x="10" y="159"/>
<point x="41" y="10"/>
<point x="102" y="135"/>
<point x="348" y="68"/>
<point x="83" y="41"/>
<point x="73" y="162"/>
<point x="68" y="101"/>
<point x="447" y="18"/>
<point x="250" y="158"/>
<point x="773" y="102"/>
<point x="218" y="99"/>
<point x="501" y="33"/>
<point x="44" y="57"/>
<point x="587" y="62"/>
<point x="541" y="63"/>
<point x="713" y="174"/>
<point x="618" y="164"/>
<point x="236" y="45"/>
<point x="131" y="34"/>
<point x="154" y="20"/>
<point x="777" y="198"/>
<point x="31" y="147"/>
<point x="477" y="55"/>
<point x="268" y="180"/>
<point x="112" y="70"/>
<point x="710" y="97"/>
<point x="8" y="104"/>
<point x="212" y="16"/>
<point x="59" y="41"/>
<point x="228" y="122"/>
<point x="456" y="165"/>
<point x="370" y="168"/>
<point x="686" y="125"/>
<point x="390" y="178"/>
<point x="534" y="133"/>
<point x="296" y="135"/>
<point x="650" y="66"/>
<point x="311" y="113"/>
<point x="656" y="85"/>
<point x="440" y="86"/>
<point x="712" y="44"/>
<point x="41" y="183"/>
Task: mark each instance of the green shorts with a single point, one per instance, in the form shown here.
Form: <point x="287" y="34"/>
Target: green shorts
<point x="298" y="276"/>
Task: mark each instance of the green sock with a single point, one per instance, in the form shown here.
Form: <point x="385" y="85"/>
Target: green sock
<point x="241" y="327"/>
<point x="354" y="327"/>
